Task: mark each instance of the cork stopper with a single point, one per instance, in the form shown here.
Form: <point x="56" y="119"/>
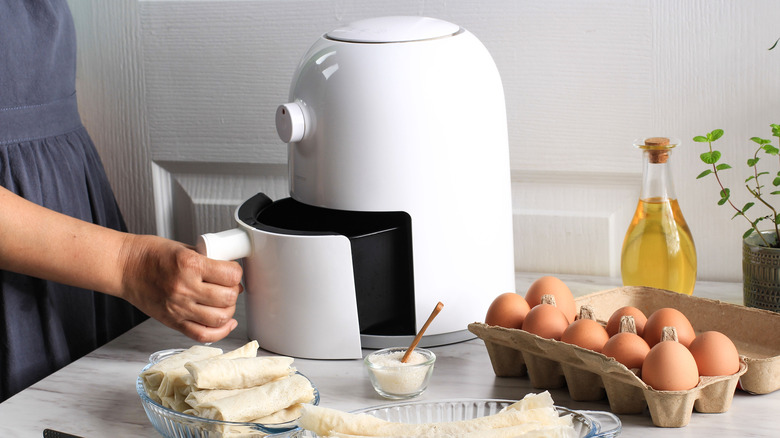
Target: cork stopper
<point x="657" y="141"/>
<point x="660" y="155"/>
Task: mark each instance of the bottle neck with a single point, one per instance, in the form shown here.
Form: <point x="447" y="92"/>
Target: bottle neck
<point x="656" y="175"/>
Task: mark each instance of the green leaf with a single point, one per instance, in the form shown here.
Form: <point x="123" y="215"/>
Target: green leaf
<point x="777" y="219"/>
<point x="759" y="140"/>
<point x="722" y="166"/>
<point x="769" y="149"/>
<point x="724" y="196"/>
<point x="707" y="172"/>
<point x="747" y="233"/>
<point x="776" y="192"/>
<point x="755" y="222"/>
<point x="714" y="135"/>
<point x="752" y="162"/>
<point x="775" y="44"/>
<point x="747" y="206"/>
<point x="700" y="139"/>
<point x="775" y="130"/>
<point x="710" y="157"/>
<point x="749" y="178"/>
<point x="762" y="173"/>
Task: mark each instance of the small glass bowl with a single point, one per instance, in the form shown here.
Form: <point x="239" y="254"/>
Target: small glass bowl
<point x="395" y="380"/>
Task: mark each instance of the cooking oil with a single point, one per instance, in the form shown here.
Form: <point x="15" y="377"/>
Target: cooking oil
<point x="658" y="250"/>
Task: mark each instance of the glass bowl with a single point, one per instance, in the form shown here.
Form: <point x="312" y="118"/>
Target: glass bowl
<point x="173" y="424"/>
<point x="395" y="380"/>
<point x="587" y="424"/>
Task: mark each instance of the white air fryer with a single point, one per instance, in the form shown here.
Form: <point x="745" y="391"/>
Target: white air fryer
<point x="399" y="195"/>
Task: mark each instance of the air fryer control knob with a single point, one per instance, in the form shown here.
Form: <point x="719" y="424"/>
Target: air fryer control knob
<point x="291" y="122"/>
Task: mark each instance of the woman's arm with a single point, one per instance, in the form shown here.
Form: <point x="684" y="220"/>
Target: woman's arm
<point x="165" y="279"/>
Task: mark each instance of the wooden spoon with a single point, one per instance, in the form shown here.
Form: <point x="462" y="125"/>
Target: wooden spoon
<point x="420" y="333"/>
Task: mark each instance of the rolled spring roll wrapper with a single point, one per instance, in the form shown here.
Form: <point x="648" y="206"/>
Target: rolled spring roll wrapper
<point x="334" y="423"/>
<point x="534" y="408"/>
<point x="179" y="400"/>
<point x="327" y="422"/>
<point x="180" y="385"/>
<point x="287" y="414"/>
<point x="259" y="401"/>
<point x="180" y="393"/>
<point x="200" y="396"/>
<point x="154" y="376"/>
<point x="175" y="402"/>
<point x="283" y="416"/>
<point x="533" y="401"/>
<point x="243" y="372"/>
<point x="247" y="350"/>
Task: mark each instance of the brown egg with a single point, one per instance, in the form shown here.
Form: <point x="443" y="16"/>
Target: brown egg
<point x="627" y="348"/>
<point x="548" y="284"/>
<point x="586" y="333"/>
<point x="613" y="324"/>
<point x="715" y="354"/>
<point x="546" y="320"/>
<point x="668" y="317"/>
<point x="507" y="310"/>
<point x="669" y="366"/>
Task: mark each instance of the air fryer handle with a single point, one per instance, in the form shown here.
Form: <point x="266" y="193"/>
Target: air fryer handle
<point x="234" y="244"/>
<point x="226" y="245"/>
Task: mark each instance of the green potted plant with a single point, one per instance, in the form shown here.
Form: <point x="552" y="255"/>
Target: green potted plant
<point x="760" y="248"/>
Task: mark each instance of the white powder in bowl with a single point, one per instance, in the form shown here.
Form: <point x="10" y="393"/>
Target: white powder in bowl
<point x="393" y="359"/>
<point x="396" y="377"/>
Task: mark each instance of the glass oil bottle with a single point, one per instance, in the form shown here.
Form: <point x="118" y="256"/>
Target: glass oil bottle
<point x="658" y="250"/>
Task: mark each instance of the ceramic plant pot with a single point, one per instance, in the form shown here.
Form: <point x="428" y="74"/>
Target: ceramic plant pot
<point x="761" y="272"/>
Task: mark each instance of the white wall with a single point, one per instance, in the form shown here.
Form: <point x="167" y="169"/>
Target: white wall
<point x="185" y="91"/>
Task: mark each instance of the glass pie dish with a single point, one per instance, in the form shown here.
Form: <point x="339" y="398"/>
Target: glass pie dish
<point x="172" y="424"/>
<point x="587" y="424"/>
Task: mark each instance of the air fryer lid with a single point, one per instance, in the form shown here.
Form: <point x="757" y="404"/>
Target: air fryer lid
<point x="393" y="30"/>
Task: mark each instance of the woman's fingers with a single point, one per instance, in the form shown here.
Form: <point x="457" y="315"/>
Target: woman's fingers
<point x="212" y="295"/>
<point x="220" y="272"/>
<point x="204" y="334"/>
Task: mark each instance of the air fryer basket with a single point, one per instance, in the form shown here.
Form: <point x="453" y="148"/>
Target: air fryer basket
<point x="381" y="245"/>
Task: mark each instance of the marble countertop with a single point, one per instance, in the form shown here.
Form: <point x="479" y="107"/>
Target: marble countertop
<point x="95" y="396"/>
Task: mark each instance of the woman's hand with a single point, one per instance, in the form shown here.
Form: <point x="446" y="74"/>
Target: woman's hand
<point x="184" y="290"/>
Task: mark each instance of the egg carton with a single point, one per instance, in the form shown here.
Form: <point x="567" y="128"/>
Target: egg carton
<point x="591" y="376"/>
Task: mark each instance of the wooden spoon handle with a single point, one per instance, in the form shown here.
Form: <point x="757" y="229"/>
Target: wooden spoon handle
<point x="417" y="338"/>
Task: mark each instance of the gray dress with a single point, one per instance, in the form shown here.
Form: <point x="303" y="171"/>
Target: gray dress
<point x="47" y="157"/>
